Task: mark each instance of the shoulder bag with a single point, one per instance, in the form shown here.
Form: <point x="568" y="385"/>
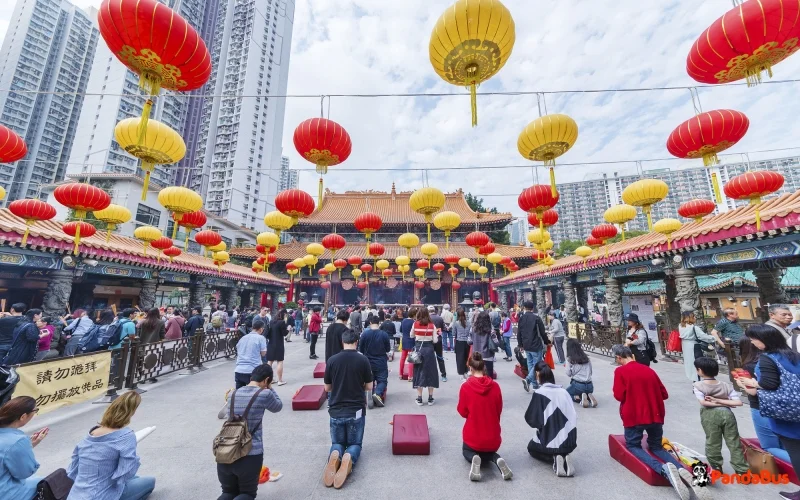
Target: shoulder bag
<point x="759" y="460"/>
<point x="492" y="346"/>
<point x="700" y="348"/>
<point x="55" y="486"/>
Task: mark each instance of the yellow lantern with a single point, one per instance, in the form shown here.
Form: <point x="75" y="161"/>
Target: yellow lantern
<point x="482" y="270"/>
<point x="583" y="252"/>
<point x="406" y="268"/>
<point x="278" y="222"/>
<point x="219" y="247"/>
<point x="474" y="266"/>
<point x="620" y="214"/>
<point x="179" y="200"/>
<point x="446" y="221"/>
<point x="256" y="267"/>
<point x="147" y="234"/>
<point x="408" y="241"/>
<point x="429" y="249"/>
<point x="299" y="263"/>
<point x="310" y="261"/>
<point x="645" y="193"/>
<point x="419" y="273"/>
<point x="112" y="215"/>
<point x="538" y="236"/>
<point x="382" y="264"/>
<point x="547" y="245"/>
<point x="268" y="240"/>
<point x="465" y="263"/>
<point x="402" y="260"/>
<point x="315" y="249"/>
<point x="158" y="145"/>
<point x="2" y="193"/>
<point x="471" y="42"/>
<point x="547" y="138"/>
<point x="356" y="273"/>
<point x="495" y="259"/>
<point x="220" y="259"/>
<point x="667" y="227"/>
<point x="426" y="201"/>
<point x="330" y="267"/>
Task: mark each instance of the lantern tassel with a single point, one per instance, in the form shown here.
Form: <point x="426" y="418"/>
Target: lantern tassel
<point x="473" y="100"/>
<point x="178" y="218"/>
<point x="186" y="242"/>
<point x="27" y="231"/>
<point x="319" y="195"/>
<point x="669" y="243"/>
<point x="77" y="238"/>
<point x="715" y="185"/>
<point x="429" y="232"/>
<point x="147" y="167"/>
<point x="109" y="228"/>
<point x="145" y="248"/>
<point x="553" y="190"/>
<point x="649" y="218"/>
<point x="146" y="109"/>
<point x="622" y="227"/>
<point x="755" y="202"/>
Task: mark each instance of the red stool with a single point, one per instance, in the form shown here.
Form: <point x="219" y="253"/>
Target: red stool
<point x="620" y="453"/>
<point x="319" y="370"/>
<point x="410" y="435"/>
<point x="309" y="397"/>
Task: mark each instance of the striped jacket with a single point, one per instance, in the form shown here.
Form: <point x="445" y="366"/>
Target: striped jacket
<point x="551" y="414"/>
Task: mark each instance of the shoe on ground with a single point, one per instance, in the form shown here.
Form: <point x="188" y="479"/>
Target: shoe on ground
<point x="526" y="385"/>
<point x="377" y="401"/>
<point x="430" y="401"/>
<point x="592" y="401"/>
<point x="344" y="470"/>
<point x="790" y="496"/>
<point x="559" y="467"/>
<point x="584" y="400"/>
<point x="475" y="469"/>
<point x="224" y="412"/>
<point x="330" y="469"/>
<point x="505" y="471"/>
<point x="370" y="400"/>
<point x="670" y="472"/>
<point x="419" y="401"/>
<point x="568" y="466"/>
<point x="700" y="492"/>
<point x="444" y="378"/>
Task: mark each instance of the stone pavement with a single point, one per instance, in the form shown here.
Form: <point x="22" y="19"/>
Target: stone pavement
<point x="184" y="409"/>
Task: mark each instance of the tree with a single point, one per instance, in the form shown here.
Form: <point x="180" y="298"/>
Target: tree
<point x="500" y="237"/>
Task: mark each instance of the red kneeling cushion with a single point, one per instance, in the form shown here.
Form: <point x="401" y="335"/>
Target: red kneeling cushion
<point x="319" y="370"/>
<point x="620" y="453"/>
<point x="309" y="397"/>
<point x="783" y="467"/>
<point x="519" y="371"/>
<point x="410" y="435"/>
<point x="409" y="373"/>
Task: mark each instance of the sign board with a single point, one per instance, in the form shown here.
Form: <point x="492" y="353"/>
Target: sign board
<point x="572" y="330"/>
<point x="66" y="381"/>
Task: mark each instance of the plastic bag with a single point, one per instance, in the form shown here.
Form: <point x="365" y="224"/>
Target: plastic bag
<point x="674" y="342"/>
<point x="548" y="357"/>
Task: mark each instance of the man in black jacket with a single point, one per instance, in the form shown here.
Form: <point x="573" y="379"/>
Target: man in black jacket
<point x="194" y="323"/>
<point x="532" y="338"/>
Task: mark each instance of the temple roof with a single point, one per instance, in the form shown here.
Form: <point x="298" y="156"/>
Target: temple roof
<point x="778" y="215"/>
<point x="48" y="236"/>
<point x="393" y="208"/>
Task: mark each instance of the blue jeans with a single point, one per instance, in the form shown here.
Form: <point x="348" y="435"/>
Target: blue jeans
<point x="507" y="346"/>
<point x="577" y="388"/>
<point x="380" y="372"/>
<point x="447" y="341"/>
<point x="138" y="488"/>
<point x="533" y="358"/>
<point x="347" y="435"/>
<point x="766" y="438"/>
<point x="633" y="441"/>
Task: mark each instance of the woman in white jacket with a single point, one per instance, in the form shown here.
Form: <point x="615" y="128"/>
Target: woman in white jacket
<point x="693" y="338"/>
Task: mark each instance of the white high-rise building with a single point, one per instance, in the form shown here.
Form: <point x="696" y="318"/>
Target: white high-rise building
<point x="238" y="157"/>
<point x="48" y="48"/>
<point x="288" y="179"/>
<point x="518" y="232"/>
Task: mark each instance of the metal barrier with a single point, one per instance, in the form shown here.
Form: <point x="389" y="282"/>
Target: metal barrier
<point x="596" y="339"/>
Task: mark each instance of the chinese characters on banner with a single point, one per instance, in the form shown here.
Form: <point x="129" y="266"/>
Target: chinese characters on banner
<point x="64" y="382"/>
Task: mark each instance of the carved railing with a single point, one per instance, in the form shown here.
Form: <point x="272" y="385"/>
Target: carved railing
<point x="595" y="338"/>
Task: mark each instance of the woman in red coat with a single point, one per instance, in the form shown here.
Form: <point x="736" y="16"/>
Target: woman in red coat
<point x="481" y="403"/>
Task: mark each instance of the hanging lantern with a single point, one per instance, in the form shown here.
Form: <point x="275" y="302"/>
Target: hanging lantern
<point x="387" y="273"/>
<point x="219" y="247"/>
<point x="179" y="200"/>
<point x="482" y="270"/>
<point x="594" y="243"/>
<point x="538" y="236"/>
<point x="310" y="261"/>
<point x="267" y="241"/>
<point x="340" y="264"/>
<point x="486" y="249"/>
<point x="429" y="250"/>
<point x="549" y="219"/>
<point x="324" y="143"/>
<point x="354" y="260"/>
<point x="323" y="273"/>
<point x="361" y="284"/>
<point x="604" y="232"/>
<point x="470" y="43"/>
<point x="158" y="144"/>
<point x="271" y="259"/>
<point x="547" y="245"/>
<point x="419" y="273"/>
<point x="12" y="146"/>
<point x="254" y="266"/>
<point x="161" y="244"/>
<point x="465" y="263"/>
<point x="707" y="134"/>
<point x="368" y="223"/>
<point x="291" y="270"/>
<point x="696" y="209"/>
<point x="366" y="269"/>
<point x="455" y="285"/>
<point x="402" y="261"/>
<point x="451" y="259"/>
<point x="190" y="222"/>
<point x="294" y="203"/>
<point x="545" y="139"/>
<point x="644" y="194"/>
<point x="476" y="240"/>
<point x="446" y="221"/>
<point x="375" y="250"/>
<point x="278" y="222"/>
<point x="81" y="198"/>
<point x="382" y="264"/>
<point x="494" y="258"/>
<point x="620" y="214"/>
<point x="667" y="227"/>
<point x="207" y="239"/>
<point x="220" y="259"/>
<point x="453" y="272"/>
<point x="539" y="255"/>
<point x="746" y="41"/>
<point x="333" y="242"/>
<point x="419" y="285"/>
<point x="315" y="249"/>
<point x="474" y="266"/>
<point x="146" y="234"/>
<point x="261" y="260"/>
<point x="356" y="273"/>
<point x="325" y="284"/>
<point x="538" y="199"/>
<point x="77" y="229"/>
<point x="408" y="241"/>
<point x="423" y="264"/>
<point x="438" y="267"/>
<point x="426" y="202"/>
<point x="583" y="252"/>
<point x="172" y="252"/>
<point x="330" y="268"/>
<point x="752" y="186"/>
<point x="112" y="215"/>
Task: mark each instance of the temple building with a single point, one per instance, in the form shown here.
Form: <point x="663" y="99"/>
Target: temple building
<point x="337" y="215"/>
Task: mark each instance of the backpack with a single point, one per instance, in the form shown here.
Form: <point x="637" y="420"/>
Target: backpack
<point x="234" y="440"/>
<point x="102" y="337"/>
<point x="216" y="321"/>
<point x="784" y="402"/>
<point x="495" y="317"/>
<point x="650" y="351"/>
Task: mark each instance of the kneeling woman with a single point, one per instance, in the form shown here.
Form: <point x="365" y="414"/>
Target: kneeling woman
<point x="481" y="402"/>
<point x="552" y="416"/>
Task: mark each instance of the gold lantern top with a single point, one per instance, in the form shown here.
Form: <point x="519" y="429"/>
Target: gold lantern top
<point x="299" y="262"/>
<point x="278" y="222"/>
<point x="583" y="251"/>
<point x="180" y="200"/>
<point x="382" y="264"/>
<point x="221" y="256"/>
<point x="419" y="273"/>
<point x="356" y="273"/>
<point x="330" y="267"/>
<point x="494" y="258"/>
<point x="473" y="266"/>
<point x="464" y="262"/>
<point x="667" y="227"/>
<point x="402" y="260"/>
<point x="113" y="215"/>
<point x="147" y="233"/>
<point x="426" y="201"/>
<point x="545" y="139"/>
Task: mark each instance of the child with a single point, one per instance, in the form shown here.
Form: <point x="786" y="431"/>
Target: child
<point x="579" y="369"/>
<point x="717" y="398"/>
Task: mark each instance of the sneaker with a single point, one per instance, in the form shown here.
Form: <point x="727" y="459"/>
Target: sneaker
<point x="475" y="469"/>
<point x="505" y="471"/>
<point x="282" y="382"/>
<point x="670" y="472"/>
<point x="344" y="470"/>
<point x="559" y="466"/>
<point x="370" y="400"/>
<point x="790" y="496"/>
<point x="568" y="466"/>
<point x="377" y="400"/>
<point x="592" y="401"/>
<point x="700" y="492"/>
<point x="419" y="401"/>
<point x="584" y="400"/>
<point x="430" y="400"/>
<point x="330" y="469"/>
<point x="444" y="378"/>
<point x="526" y="385"/>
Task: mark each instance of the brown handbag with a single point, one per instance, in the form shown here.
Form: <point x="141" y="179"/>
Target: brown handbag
<point x="759" y="460"/>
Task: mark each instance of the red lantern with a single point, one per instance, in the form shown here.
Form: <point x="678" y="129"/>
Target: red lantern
<point x="81" y="198"/>
<point x="593" y="242"/>
<point x="354" y="260"/>
<point x="549" y="218"/>
<point x="161" y="244"/>
<point x="423" y="264"/>
<point x="451" y="259"/>
<point x="368" y="223"/>
<point x="294" y="203"/>
<point x="190" y="222"/>
<point x="505" y="261"/>
<point x="77" y="229"/>
<point x="487" y="249"/>
<point x="271" y="259"/>
<point x="366" y="268"/>
<point x="324" y="143"/>
<point x="538" y="255"/>
<point x="340" y="264"/>
<point x="375" y="250"/>
<point x="604" y="232"/>
<point x="419" y="285"/>
<point x="477" y="239"/>
<point x="438" y="267"/>
<point x="261" y="249"/>
<point x="752" y="186"/>
<point x="172" y="252"/>
<point x="453" y="271"/>
<point x="207" y="238"/>
<point x="387" y="273"/>
<point x="261" y="260"/>
<point x="333" y="242"/>
<point x="537" y="199"/>
<point x="325" y="284"/>
<point x="31" y="211"/>
<point x="456" y="285"/>
<point x="12" y="146"/>
<point x="696" y="209"/>
<point x="361" y="284"/>
<point x="745" y="41"/>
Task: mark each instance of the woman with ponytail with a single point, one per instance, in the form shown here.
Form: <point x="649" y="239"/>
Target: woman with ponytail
<point x="481" y="403"/>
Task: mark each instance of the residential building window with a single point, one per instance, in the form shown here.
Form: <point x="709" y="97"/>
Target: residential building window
<point x="148" y="216"/>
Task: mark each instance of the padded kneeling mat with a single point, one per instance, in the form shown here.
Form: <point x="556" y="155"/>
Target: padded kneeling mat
<point x="319" y="370"/>
<point x="783" y="467"/>
<point x="309" y="397"/>
<point x="518" y="371"/>
<point x="410" y="435"/>
<point x="620" y="453"/>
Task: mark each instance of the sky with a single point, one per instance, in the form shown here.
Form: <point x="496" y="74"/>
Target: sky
<point x="371" y="46"/>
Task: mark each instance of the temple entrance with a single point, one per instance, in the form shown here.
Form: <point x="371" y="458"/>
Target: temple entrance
<point x="430" y="296"/>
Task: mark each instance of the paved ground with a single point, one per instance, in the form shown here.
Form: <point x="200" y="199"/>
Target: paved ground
<point x="184" y="409"/>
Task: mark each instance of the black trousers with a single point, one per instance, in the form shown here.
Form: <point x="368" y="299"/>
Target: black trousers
<point x="239" y="480"/>
<point x="437" y="348"/>
<point x="241" y="379"/>
<point x="462" y="352"/>
<point x="489" y="368"/>
<point x="486" y="456"/>
<point x="313" y="346"/>
<point x="792" y="447"/>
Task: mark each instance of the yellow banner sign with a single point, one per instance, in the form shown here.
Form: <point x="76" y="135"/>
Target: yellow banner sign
<point x="64" y="382"/>
<point x="572" y="330"/>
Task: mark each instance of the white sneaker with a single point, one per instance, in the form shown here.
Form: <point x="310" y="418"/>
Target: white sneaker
<point x="568" y="466"/>
<point x="670" y="472"/>
<point x="475" y="469"/>
<point x="505" y="471"/>
<point x="559" y="466"/>
<point x="700" y="492"/>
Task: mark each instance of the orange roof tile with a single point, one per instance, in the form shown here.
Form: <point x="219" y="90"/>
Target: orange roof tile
<point x="777" y="213"/>
<point x="47" y="235"/>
